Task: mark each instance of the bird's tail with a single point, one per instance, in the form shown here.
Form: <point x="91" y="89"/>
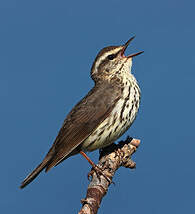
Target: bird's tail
<point x="35" y="172"/>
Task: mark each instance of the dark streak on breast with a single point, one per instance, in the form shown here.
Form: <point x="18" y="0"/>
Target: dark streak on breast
<point x="115" y="129"/>
<point x="103" y="127"/>
<point x="124" y="105"/>
<point x="125" y="124"/>
<point x="110" y="134"/>
<point x="130" y="112"/>
<point x="94" y="133"/>
<point x="101" y="132"/>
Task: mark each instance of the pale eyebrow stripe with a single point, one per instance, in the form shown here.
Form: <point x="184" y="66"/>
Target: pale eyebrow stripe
<point x="104" y="56"/>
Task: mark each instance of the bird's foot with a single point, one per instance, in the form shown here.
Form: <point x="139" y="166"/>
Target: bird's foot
<point x="96" y="169"/>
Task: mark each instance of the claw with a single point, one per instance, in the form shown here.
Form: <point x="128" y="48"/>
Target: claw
<point x="95" y="169"/>
<point x="99" y="172"/>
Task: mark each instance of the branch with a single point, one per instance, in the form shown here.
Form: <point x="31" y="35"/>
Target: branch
<point x="111" y="158"/>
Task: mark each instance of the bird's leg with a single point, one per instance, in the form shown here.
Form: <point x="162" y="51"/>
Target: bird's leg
<point x="95" y="167"/>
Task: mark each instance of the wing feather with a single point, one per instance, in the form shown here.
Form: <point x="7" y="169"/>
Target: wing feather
<point x="84" y="118"/>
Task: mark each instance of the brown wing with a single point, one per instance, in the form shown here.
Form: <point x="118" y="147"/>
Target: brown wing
<point x="82" y="121"/>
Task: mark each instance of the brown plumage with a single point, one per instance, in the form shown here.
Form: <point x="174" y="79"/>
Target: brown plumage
<point x="79" y="124"/>
<point x="103" y="115"/>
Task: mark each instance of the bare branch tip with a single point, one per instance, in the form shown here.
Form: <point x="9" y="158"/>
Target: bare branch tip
<point x="135" y="142"/>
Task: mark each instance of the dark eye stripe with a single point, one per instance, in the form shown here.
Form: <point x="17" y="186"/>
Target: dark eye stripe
<point x="112" y="56"/>
<point x="106" y="60"/>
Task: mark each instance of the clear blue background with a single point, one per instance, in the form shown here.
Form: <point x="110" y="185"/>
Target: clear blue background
<point x="46" y="52"/>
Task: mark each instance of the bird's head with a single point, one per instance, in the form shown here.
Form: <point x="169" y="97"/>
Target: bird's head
<point x="111" y="61"/>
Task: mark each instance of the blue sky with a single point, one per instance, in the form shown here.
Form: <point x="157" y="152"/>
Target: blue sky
<point x="46" y="52"/>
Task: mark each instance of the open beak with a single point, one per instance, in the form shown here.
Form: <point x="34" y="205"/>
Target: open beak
<point x="125" y="47"/>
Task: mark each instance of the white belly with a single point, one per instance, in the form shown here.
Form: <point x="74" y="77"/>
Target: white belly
<point x="118" y="122"/>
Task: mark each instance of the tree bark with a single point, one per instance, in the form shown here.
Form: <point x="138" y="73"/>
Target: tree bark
<point x="111" y="158"/>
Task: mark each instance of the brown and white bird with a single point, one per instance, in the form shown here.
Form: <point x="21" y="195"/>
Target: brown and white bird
<point x="103" y="115"/>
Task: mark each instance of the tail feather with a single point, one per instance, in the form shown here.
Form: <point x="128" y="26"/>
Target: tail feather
<point x="34" y="173"/>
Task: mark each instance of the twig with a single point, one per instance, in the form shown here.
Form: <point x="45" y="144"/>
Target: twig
<point x="111" y="158"/>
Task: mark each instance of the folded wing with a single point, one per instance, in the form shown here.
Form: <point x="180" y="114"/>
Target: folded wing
<point x="84" y="118"/>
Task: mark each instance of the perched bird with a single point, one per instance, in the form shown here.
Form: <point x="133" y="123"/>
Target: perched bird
<point x="103" y="115"/>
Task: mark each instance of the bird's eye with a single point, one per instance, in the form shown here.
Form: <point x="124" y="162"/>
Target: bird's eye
<point x="111" y="57"/>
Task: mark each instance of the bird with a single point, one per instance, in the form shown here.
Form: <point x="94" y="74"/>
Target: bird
<point x="103" y="115"/>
